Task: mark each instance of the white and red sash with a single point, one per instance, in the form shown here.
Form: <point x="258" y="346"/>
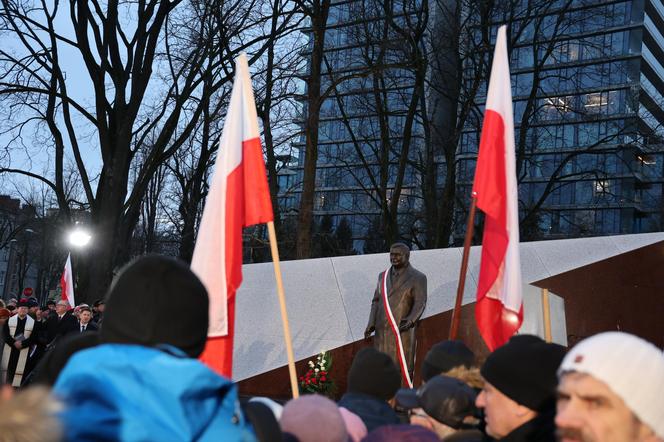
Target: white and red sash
<point x="401" y="355"/>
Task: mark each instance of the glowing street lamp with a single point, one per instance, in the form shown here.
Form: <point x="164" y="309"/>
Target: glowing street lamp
<point x="79" y="238"/>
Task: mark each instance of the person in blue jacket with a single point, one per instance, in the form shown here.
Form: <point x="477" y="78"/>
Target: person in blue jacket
<point x="143" y="381"/>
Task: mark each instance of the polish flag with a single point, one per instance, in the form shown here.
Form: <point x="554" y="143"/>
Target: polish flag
<point x="67" y="284"/>
<point x="238" y="197"/>
<point x="499" y="308"/>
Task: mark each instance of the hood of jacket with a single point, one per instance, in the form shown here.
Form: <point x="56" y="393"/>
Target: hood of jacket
<point x="135" y="393"/>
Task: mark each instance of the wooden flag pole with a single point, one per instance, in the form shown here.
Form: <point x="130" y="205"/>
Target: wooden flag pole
<point x="546" y="312"/>
<point x="282" y="304"/>
<point x="456" y="314"/>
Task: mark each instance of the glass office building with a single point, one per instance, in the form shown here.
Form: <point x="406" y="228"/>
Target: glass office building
<point x="361" y="124"/>
<point x="587" y="78"/>
<point x="591" y="148"/>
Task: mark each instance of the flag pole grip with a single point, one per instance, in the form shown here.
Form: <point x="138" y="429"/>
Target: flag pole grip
<point x="282" y="304"/>
<point x="456" y="313"/>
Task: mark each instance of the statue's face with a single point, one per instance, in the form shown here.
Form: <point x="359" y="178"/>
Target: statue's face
<point x="398" y="257"/>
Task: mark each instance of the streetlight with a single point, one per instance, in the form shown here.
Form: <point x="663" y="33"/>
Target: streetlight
<point x="79" y="238"/>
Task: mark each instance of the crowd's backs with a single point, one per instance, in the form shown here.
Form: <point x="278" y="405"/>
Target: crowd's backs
<point x="138" y="378"/>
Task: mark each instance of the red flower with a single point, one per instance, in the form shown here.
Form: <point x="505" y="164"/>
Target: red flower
<point x="314" y="380"/>
<point x="308" y="381"/>
<point x="323" y="373"/>
<point x="323" y="378"/>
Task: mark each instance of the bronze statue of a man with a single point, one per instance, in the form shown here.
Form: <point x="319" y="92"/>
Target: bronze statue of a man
<point x="406" y="291"/>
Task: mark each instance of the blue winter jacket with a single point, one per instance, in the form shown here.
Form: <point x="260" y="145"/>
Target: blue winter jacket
<point x="134" y="393"/>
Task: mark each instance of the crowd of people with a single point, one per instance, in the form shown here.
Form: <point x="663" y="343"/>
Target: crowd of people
<point x="128" y="370"/>
<point x="30" y="330"/>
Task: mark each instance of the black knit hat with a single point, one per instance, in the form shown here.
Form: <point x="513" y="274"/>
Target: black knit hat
<point x="524" y="370"/>
<point x="445" y="356"/>
<point x="374" y="373"/>
<point x="445" y="399"/>
<point x="157" y="300"/>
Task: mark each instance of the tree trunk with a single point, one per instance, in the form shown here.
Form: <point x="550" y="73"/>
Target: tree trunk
<point x="318" y="16"/>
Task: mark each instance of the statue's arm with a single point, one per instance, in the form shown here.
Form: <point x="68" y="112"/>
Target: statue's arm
<point x="419" y="292"/>
<point x="371" y="326"/>
<point x="374" y="308"/>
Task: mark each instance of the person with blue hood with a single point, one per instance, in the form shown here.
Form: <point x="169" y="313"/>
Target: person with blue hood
<point x="143" y="381"/>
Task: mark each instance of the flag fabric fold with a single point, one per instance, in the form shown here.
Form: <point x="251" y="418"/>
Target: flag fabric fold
<point x="238" y="197"/>
<point x="499" y="308"/>
<point x="67" y="284"/>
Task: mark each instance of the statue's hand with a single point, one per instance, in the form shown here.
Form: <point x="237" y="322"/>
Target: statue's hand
<point x="406" y="325"/>
<point x="370" y="329"/>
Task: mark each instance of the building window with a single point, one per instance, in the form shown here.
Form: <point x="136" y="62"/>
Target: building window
<point x="647" y="160"/>
<point x="596" y="103"/>
<point x="602" y="187"/>
<point x="555" y="108"/>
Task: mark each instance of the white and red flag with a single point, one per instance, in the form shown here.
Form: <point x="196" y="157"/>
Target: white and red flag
<point x="499" y="308"/>
<point x="67" y="284"/>
<point x="238" y="197"/>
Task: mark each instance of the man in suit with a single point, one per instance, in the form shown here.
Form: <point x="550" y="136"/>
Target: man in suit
<point x="60" y="324"/>
<point x="85" y="320"/>
<point x="406" y="291"/>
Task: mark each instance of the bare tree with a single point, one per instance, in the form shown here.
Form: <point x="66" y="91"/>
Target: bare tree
<point x="147" y="65"/>
<point x="376" y="97"/>
<point x="316" y="12"/>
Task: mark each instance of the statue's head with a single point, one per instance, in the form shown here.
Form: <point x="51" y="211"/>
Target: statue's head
<point x="399" y="255"/>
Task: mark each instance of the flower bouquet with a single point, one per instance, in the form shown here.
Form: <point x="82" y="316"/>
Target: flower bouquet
<point x="317" y="378"/>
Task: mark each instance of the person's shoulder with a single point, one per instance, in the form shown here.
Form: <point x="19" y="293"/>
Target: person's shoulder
<point x="416" y="273"/>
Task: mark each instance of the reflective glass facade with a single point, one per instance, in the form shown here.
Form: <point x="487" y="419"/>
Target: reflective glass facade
<point x="588" y="88"/>
<point x="592" y="160"/>
<point x="362" y="122"/>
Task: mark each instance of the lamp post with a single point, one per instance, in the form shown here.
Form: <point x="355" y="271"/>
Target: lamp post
<point x="78" y="238"/>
